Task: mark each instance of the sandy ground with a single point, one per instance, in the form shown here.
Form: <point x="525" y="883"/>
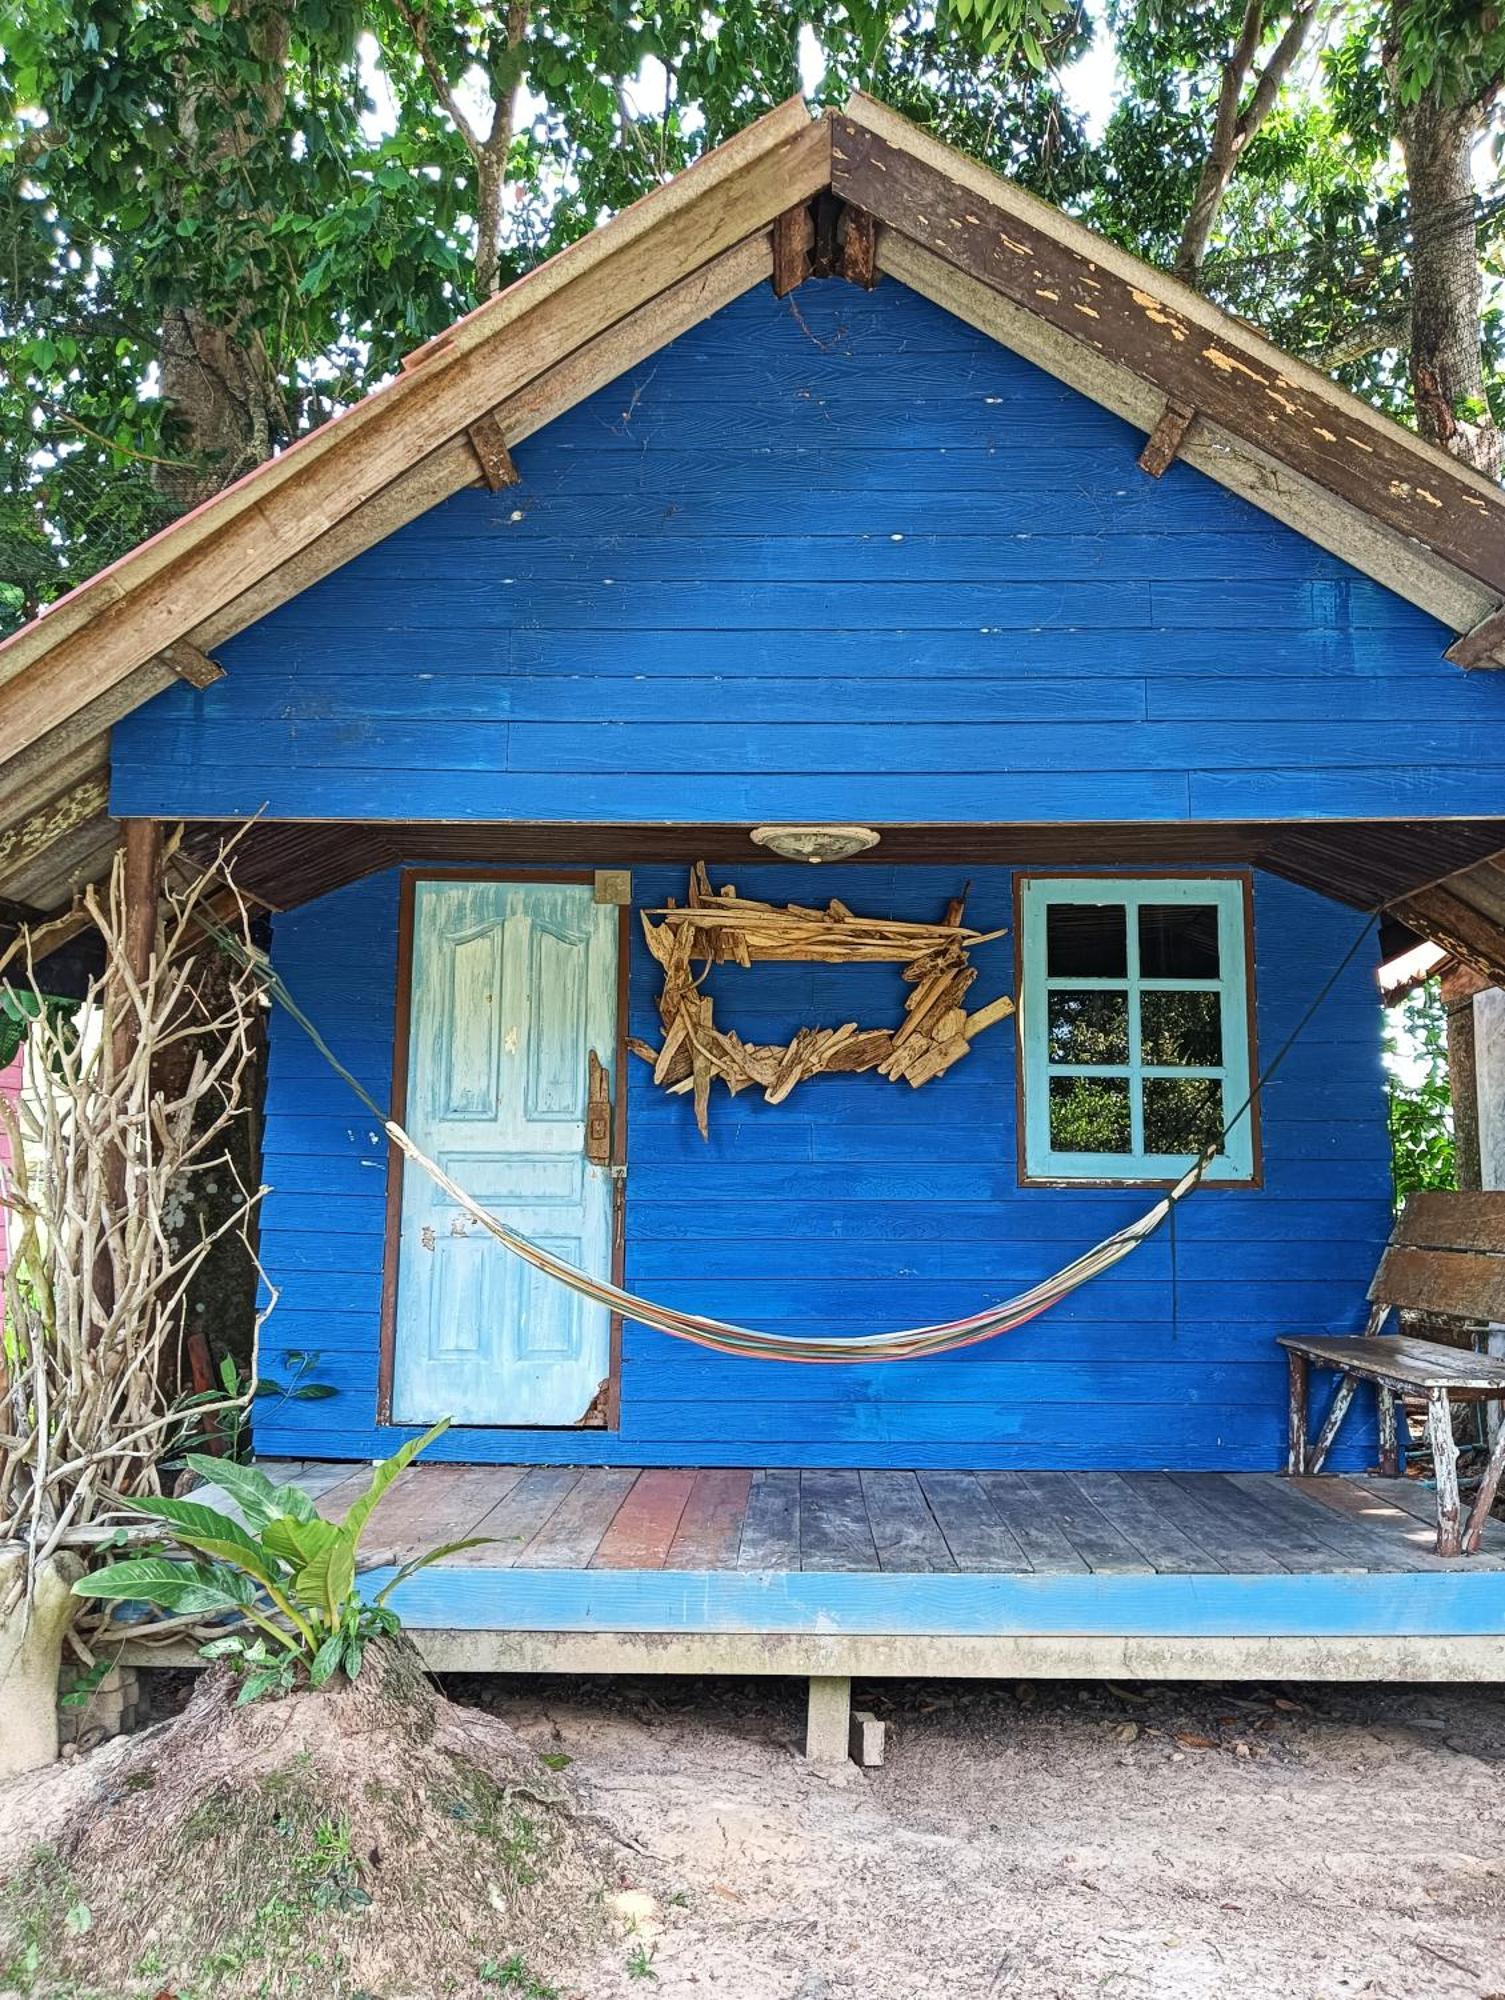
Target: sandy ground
<point x="1047" y="1842"/>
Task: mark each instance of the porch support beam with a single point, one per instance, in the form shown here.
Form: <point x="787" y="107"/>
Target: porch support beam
<point x="828" y="1720"/>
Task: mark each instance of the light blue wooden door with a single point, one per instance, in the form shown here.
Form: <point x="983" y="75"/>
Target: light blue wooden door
<point x="514" y="983"/>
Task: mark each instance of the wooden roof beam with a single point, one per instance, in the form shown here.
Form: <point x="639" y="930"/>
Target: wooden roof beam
<point x="184" y="659"/>
<point x="1164" y="442"/>
<point x="489" y="443"/>
<point x="1483" y="645"/>
<point x="1236" y="462"/>
<point x="210" y="556"/>
<point x="1115" y="305"/>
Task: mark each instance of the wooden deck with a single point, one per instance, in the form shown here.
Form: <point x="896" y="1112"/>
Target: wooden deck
<point x="991" y="1573"/>
<point x="985" y="1523"/>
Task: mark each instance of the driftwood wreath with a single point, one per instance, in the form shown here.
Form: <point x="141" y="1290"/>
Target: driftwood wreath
<point x="720" y="927"/>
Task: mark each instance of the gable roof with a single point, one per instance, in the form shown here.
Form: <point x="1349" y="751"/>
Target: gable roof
<point x="860" y="190"/>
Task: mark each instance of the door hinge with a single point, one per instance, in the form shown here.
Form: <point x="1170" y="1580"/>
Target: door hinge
<point x="598" y="1114"/>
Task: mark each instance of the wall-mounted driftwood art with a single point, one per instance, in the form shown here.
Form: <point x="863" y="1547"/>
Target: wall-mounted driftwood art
<point x="721" y="927"/>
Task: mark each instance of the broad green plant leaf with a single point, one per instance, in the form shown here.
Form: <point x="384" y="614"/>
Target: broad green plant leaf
<point x="299" y="1542"/>
<point x="390" y="1469"/>
<point x="328" y="1580"/>
<point x="430" y="1556"/>
<point x="173" y="1586"/>
<point x="259" y="1500"/>
<point x="212" y="1533"/>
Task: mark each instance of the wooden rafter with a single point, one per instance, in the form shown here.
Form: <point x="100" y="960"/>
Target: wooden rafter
<point x="1164" y="442"/>
<point x="1167" y="334"/>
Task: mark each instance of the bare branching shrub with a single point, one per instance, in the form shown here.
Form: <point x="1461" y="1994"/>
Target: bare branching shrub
<point x="128" y="1105"/>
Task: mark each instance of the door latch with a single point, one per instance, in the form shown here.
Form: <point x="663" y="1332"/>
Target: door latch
<point x="598" y="1114"/>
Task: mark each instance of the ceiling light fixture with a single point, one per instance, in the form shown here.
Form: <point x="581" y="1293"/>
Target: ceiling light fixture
<point x="815" y="843"/>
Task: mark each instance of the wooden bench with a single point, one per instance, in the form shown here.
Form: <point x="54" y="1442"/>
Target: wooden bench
<point x="1445" y="1257"/>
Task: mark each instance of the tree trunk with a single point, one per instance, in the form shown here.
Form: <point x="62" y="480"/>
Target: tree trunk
<point x="31" y="1658"/>
<point x="1447" y="368"/>
<point x="225" y="407"/>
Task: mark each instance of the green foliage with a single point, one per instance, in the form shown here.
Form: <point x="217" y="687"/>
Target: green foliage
<point x="288" y="1576"/>
<point x="18" y="1010"/>
<point x="218" y="1419"/>
<point x="1420" y="1098"/>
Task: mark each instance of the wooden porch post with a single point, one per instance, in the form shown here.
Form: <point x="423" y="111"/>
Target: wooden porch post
<point x="141" y="841"/>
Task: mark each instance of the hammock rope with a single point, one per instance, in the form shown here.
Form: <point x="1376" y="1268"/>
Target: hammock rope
<point x="725" y="1337"/>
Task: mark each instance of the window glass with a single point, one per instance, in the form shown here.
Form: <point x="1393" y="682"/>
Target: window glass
<point x="1178" y="941"/>
<point x="1090" y="1027"/>
<point x="1089" y="1114"/>
<point x="1134" y="1011"/>
<point x="1181" y="1030"/>
<point x="1087" y="940"/>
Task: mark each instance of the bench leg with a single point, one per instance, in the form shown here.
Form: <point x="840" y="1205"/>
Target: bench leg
<point x="1484" y="1499"/>
<point x="1332" y="1423"/>
<point x="1389" y="1434"/>
<point x="1445" y="1465"/>
<point x="1300" y="1373"/>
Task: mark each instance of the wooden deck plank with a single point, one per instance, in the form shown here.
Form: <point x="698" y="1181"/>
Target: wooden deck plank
<point x="316" y="1476"/>
<point x="1041" y="1536"/>
<point x="834" y="1530"/>
<point x="1133" y="1503"/>
<point x="710" y="1529"/>
<point x="1222" y="1529"/>
<point x="903" y="1528"/>
<point x="1418" y="1498"/>
<point x="771" y="1525"/>
<point x="333" y="1501"/>
<point x="519" y="1514"/>
<point x="1104" y="1549"/>
<point x="978" y="1540"/>
<point x="1348" y="1547"/>
<point x="572" y="1533"/>
<point x="430" y="1504"/>
<point x="1408" y="1540"/>
<point x="645" y="1525"/>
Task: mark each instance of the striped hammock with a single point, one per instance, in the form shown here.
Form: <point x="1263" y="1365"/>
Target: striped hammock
<point x="905" y="1344"/>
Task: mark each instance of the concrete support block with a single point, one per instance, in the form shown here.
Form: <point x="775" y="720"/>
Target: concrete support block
<point x="828" y="1720"/>
<point x="866" y="1739"/>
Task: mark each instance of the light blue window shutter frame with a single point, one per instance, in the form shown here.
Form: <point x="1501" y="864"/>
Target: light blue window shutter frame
<point x="1227" y="895"/>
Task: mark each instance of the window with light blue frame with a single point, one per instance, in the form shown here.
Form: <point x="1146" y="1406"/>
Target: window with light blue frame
<point x="1134" y="1027"/>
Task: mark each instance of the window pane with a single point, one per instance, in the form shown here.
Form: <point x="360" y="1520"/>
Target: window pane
<point x="1089" y="1114"/>
<point x="1178" y="941"/>
<point x="1182" y="1114"/>
<point x="1181" y="1029"/>
<point x="1089" y="1027"/>
<point x="1086" y="940"/>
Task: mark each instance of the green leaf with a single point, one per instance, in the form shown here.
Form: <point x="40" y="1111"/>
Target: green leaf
<point x="175" y="1586"/>
<point x="326" y="1660"/>
<point x="215" y="1534"/>
<point x="431" y="1556"/>
<point x="329" y="1578"/>
<point x="386" y="1472"/>
<point x="299" y="1542"/>
<point x="260" y="1501"/>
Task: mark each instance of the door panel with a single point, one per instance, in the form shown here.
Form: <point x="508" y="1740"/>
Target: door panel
<point x="513" y="984"/>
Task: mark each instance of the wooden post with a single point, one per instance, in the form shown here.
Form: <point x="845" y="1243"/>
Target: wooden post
<point x="1445" y="1463"/>
<point x="141" y="840"/>
<point x="1484" y="1499"/>
<point x="1389" y="1433"/>
<point x="1337" y="1410"/>
<point x="1300" y="1372"/>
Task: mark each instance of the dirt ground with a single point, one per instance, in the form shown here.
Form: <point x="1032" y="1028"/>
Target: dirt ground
<point x="1048" y="1841"/>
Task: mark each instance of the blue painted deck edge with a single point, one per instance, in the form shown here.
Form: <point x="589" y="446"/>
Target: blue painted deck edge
<point x="1428" y="1605"/>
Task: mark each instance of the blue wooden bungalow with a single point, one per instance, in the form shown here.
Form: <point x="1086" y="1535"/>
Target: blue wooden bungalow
<point x="837" y="484"/>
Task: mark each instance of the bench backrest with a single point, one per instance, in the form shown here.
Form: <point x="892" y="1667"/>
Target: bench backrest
<point x="1446" y="1255"/>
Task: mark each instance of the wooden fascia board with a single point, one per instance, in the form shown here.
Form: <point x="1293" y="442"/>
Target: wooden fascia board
<point x="25" y="839"/>
<point x="1119" y="307"/>
<point x="452" y="466"/>
<point x="173" y="583"/>
<point x="1392" y="559"/>
<point x="1445" y="918"/>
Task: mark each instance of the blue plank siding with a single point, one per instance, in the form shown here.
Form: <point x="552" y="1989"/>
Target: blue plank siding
<point x="860" y="1204"/>
<point x="854" y="561"/>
